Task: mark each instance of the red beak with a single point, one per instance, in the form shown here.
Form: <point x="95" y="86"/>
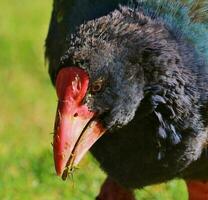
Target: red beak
<point x="76" y="128"/>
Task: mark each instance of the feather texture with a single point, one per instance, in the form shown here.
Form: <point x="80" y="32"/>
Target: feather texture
<point x="153" y="57"/>
<point x="186" y="19"/>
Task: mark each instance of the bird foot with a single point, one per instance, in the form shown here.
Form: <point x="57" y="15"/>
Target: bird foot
<point x="198" y="190"/>
<point x="111" y="190"/>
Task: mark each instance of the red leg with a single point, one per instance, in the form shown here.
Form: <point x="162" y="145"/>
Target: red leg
<point x="198" y="190"/>
<point x="111" y="190"/>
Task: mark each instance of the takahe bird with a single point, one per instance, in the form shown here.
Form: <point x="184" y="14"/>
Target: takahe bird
<point x="133" y="75"/>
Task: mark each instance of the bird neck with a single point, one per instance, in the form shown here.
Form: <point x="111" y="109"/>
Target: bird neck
<point x="186" y="21"/>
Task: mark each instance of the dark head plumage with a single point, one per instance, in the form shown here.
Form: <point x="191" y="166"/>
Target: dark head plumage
<point x="147" y="67"/>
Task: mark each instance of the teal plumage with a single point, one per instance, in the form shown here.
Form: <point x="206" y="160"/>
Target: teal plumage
<point x="153" y="58"/>
<point x="187" y="20"/>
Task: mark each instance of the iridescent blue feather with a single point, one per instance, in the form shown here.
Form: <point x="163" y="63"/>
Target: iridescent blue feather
<point x="187" y="20"/>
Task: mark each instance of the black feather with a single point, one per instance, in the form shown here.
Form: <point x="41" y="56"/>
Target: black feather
<point x="153" y="58"/>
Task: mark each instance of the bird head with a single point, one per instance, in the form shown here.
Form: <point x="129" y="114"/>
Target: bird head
<point x="100" y="81"/>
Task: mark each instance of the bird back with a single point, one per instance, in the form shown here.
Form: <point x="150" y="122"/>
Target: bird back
<point x="186" y="19"/>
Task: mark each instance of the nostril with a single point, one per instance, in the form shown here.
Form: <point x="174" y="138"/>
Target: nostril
<point x="76" y="115"/>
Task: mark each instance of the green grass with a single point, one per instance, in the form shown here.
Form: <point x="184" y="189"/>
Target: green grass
<point x="28" y="105"/>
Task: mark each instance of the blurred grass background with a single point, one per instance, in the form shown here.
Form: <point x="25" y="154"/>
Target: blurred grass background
<point x="27" y="110"/>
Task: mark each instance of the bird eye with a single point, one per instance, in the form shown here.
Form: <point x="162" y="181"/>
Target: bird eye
<point x="97" y="86"/>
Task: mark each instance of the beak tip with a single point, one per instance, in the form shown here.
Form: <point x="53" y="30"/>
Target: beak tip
<point x="58" y="165"/>
<point x="59" y="171"/>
